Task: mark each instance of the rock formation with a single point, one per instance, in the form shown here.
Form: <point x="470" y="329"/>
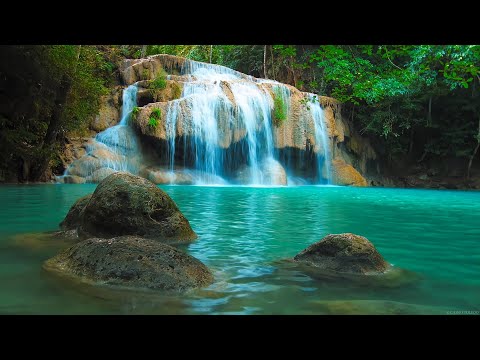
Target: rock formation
<point x="343" y="253"/>
<point x="220" y="122"/>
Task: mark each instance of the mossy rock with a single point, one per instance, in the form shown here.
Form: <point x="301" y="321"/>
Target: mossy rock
<point x="130" y="262"/>
<point x="125" y="204"/>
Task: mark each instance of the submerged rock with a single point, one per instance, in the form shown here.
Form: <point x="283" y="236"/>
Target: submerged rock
<point x="73" y="179"/>
<point x="344" y="253"/>
<point x="130" y="261"/>
<point x="72" y="220"/>
<point x="376" y="307"/>
<point x="125" y="204"/>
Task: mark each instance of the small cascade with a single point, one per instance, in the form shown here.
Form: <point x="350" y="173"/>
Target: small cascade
<point x="253" y="108"/>
<point x="321" y="139"/>
<point x="205" y="99"/>
<point x="170" y="124"/>
<point x="115" y="149"/>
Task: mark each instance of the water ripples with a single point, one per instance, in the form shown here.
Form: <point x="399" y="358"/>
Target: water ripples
<point x="246" y="233"/>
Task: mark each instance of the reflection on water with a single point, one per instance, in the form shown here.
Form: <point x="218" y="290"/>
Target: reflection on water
<point x="245" y="235"/>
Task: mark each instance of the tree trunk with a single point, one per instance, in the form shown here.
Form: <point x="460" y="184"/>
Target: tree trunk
<point x="429" y="116"/>
<point x="52" y="130"/>
<point x="292" y="62"/>
<point x="474" y="151"/>
<point x="211" y="51"/>
<point x="265" y="61"/>
<point x="410" y="146"/>
<point x="144" y="50"/>
<point x="273" y="67"/>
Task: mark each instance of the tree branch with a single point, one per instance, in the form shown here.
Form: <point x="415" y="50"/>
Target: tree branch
<point x="353" y="57"/>
<point x="391" y="62"/>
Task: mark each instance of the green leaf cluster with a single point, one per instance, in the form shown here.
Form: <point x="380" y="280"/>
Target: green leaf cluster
<point x="155" y="117"/>
<point x="280" y="108"/>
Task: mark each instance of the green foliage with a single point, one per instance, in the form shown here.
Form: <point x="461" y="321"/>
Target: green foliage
<point x="152" y="122"/>
<point x="160" y="81"/>
<point x="155" y="117"/>
<point x="176" y="91"/>
<point x="156" y="113"/>
<point x="55" y="89"/>
<point x="135" y="112"/>
<point x="145" y="74"/>
<point x="307" y="100"/>
<point x="280" y="108"/>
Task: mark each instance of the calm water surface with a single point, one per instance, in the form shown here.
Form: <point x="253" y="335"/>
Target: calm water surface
<point x="244" y="233"/>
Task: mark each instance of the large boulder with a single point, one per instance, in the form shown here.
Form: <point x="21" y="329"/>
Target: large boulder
<point x="125" y="204"/>
<point x="130" y="261"/>
<point x="72" y="220"/>
<point x="345" y="174"/>
<point x="344" y="253"/>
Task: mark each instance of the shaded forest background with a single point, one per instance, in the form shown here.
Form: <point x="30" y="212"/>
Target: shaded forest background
<point x="418" y="104"/>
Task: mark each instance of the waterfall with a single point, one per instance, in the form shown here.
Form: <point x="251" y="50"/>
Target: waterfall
<point x="321" y="139"/>
<point x="226" y="121"/>
<point x="170" y="124"/>
<point x="254" y="112"/>
<point x="248" y="108"/>
<point x="114" y="149"/>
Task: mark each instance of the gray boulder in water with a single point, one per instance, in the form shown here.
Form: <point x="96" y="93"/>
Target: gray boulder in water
<point x="344" y="253"/>
<point x="131" y="262"/>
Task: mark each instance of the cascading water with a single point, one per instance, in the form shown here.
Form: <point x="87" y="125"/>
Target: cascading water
<point x="321" y="139"/>
<point x="114" y="149"/>
<point x="253" y="109"/>
<point x="225" y="119"/>
<point x="248" y="109"/>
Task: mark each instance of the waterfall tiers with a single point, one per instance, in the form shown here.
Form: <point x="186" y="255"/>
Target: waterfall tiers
<point x="210" y="124"/>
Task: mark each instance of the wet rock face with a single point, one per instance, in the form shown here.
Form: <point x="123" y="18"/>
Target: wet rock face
<point x="344" y="253"/>
<point x="125" y="204"/>
<point x="345" y="174"/>
<point x="131" y="261"/>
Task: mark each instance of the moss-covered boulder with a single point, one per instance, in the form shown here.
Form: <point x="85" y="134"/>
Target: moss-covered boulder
<point x="125" y="204"/>
<point x="132" y="262"/>
<point x="344" y="253"/>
